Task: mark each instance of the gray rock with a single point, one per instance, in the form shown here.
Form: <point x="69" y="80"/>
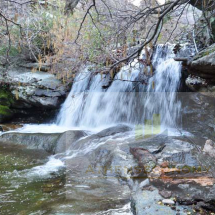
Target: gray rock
<point x="35" y="89"/>
<point x="66" y="139"/>
<point x="149" y="202"/>
<point x="168" y="202"/>
<point x="114" y="130"/>
<point x="45" y="142"/>
<point x="52" y="143"/>
<point x="203" y="64"/>
<point x="165" y="193"/>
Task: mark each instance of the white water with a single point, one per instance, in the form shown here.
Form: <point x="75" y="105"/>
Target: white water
<point x="93" y="108"/>
<point x="89" y="105"/>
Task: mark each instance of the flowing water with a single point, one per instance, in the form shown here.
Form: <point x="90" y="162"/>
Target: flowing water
<point x="78" y="180"/>
<point x="126" y="101"/>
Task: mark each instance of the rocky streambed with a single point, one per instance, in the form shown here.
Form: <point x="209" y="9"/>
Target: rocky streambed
<point x="115" y="171"/>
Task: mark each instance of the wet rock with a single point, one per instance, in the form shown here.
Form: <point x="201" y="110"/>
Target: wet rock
<point x="67" y="139"/>
<point x="144" y="183"/>
<point x="186" y="201"/>
<point x="150" y="202"/>
<point x="106" y="81"/>
<point x="178" y="152"/>
<point x="180" y="176"/>
<point x="145" y="159"/>
<point x="209" y="206"/>
<point x="114" y="130"/>
<point x="198" y="116"/>
<point x="45" y="142"/>
<point x="196" y="83"/>
<point x="52" y="143"/>
<point x="9" y="127"/>
<point x="159" y="150"/>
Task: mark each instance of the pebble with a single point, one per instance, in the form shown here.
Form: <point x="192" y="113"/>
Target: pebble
<point x="168" y="202"/>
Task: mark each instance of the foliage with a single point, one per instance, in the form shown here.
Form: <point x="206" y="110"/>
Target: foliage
<point x="99" y="32"/>
<point x="5" y="110"/>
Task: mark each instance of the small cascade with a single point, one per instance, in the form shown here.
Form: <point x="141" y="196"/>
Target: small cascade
<point x="127" y="99"/>
<point x="161" y="97"/>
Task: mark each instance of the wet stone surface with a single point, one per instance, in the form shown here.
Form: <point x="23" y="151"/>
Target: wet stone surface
<point x="98" y="174"/>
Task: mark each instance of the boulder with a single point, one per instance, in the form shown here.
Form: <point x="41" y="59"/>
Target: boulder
<point x="202" y="70"/>
<point x="35" y="89"/>
<point x="46" y="142"/>
<point x="204" y="63"/>
<point x="52" y="143"/>
<point x="66" y="139"/>
<point x="113" y="130"/>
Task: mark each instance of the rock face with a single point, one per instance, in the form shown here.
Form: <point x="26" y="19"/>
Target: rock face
<point x="202" y="70"/>
<point x="25" y="90"/>
<point x="46" y="142"/>
<point x="50" y="142"/>
<point x="204" y="63"/>
<point x="35" y="89"/>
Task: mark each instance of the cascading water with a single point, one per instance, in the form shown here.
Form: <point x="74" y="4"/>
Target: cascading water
<point x="86" y="161"/>
<point x="126" y="100"/>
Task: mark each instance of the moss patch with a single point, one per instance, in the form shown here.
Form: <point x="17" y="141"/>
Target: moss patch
<point x="6" y="101"/>
<point x="5" y="110"/>
<point x="6" y="96"/>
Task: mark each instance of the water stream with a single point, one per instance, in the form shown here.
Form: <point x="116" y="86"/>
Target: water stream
<point x="126" y="101"/>
<point x="80" y="178"/>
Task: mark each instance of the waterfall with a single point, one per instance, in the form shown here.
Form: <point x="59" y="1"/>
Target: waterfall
<point x="127" y="99"/>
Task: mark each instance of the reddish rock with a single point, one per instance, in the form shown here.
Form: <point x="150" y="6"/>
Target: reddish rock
<point x="178" y="176"/>
<point x="165" y="164"/>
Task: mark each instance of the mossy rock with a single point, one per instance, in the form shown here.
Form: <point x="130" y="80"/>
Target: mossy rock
<point x="205" y="52"/>
<point x="6" y="101"/>
<point x="5" y="113"/>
